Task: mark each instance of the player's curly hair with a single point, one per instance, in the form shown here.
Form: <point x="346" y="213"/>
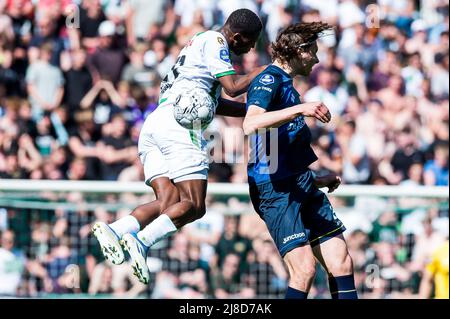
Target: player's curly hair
<point x="296" y="37"/>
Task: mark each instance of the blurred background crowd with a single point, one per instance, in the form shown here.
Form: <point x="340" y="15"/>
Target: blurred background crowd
<point x="78" y="78"/>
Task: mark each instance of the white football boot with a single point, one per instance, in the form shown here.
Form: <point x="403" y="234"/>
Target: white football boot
<point x="109" y="243"/>
<point x="138" y="253"/>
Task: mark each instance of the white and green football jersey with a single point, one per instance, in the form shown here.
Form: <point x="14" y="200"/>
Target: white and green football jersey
<point x="165" y="147"/>
<point x="200" y="63"/>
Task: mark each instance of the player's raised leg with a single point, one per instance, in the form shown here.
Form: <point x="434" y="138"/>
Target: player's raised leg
<point x="166" y="195"/>
<point x="109" y="235"/>
<point x="334" y="257"/>
<point x="190" y="207"/>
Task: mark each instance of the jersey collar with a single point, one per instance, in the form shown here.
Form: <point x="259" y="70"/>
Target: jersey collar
<point x="283" y="73"/>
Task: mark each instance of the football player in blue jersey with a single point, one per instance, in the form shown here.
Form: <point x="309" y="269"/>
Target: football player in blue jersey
<point x="283" y="190"/>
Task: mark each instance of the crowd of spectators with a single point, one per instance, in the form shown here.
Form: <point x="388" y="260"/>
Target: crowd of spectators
<point x="78" y="78"/>
<point x="226" y="254"/>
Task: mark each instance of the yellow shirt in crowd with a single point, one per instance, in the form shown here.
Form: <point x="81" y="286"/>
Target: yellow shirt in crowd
<point x="439" y="268"/>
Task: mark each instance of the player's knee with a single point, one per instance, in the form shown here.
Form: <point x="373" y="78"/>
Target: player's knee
<point x="341" y="266"/>
<point x="303" y="271"/>
<point x="169" y="199"/>
<point x="196" y="209"/>
<point x="139" y="211"/>
<point x="199" y="209"/>
<point x="301" y="278"/>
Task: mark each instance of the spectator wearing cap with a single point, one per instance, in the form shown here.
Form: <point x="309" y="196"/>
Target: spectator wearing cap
<point x="108" y="60"/>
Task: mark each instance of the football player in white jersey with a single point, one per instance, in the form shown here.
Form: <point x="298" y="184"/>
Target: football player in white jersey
<point x="175" y="159"/>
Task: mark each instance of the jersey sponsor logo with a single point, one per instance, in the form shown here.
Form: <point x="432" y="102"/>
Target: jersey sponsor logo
<point x="225" y="55"/>
<point x="265" y="88"/>
<point x="267" y="79"/>
<point x="220" y="40"/>
<point x="292" y="237"/>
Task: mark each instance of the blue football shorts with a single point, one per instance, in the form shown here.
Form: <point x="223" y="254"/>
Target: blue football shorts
<point x="295" y="211"/>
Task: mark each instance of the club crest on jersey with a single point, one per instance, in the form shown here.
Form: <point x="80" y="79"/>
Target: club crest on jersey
<point x="224" y="55"/>
<point x="220" y="40"/>
<point x="267" y="79"/>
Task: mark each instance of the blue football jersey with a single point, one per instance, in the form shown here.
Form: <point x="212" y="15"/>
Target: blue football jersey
<point x="284" y="151"/>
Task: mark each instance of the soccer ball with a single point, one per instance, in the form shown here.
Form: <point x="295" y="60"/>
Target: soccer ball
<point x="194" y="109"/>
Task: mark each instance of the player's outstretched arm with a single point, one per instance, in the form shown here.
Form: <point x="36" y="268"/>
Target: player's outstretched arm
<point x="235" y="85"/>
<point x="230" y="108"/>
<point x="258" y="118"/>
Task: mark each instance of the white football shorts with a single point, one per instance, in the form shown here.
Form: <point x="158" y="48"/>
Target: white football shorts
<point x="166" y="149"/>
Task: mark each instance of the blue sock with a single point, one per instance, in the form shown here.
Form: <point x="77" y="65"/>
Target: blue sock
<point x="342" y="287"/>
<point x="292" y="293"/>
